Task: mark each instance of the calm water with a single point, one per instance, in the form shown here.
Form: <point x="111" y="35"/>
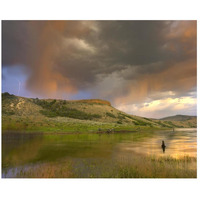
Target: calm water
<point x="25" y="150"/>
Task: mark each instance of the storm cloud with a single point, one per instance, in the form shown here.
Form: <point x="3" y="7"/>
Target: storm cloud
<point x="125" y="62"/>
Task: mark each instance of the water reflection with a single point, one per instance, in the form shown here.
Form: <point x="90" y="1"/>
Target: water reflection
<point x="179" y="144"/>
<point x="22" y="150"/>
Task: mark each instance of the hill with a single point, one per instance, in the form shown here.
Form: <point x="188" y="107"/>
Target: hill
<point x="179" y="118"/>
<point x="54" y="115"/>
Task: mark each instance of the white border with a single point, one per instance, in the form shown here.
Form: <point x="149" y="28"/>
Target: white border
<point x="100" y="9"/>
<point x="101" y="188"/>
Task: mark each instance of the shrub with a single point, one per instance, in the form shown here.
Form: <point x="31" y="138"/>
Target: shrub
<point x="120" y="116"/>
<point x="110" y="115"/>
<point x="8" y="112"/>
<point x="6" y="95"/>
<point x="55" y="109"/>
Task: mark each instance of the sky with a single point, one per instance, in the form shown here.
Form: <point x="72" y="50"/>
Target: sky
<point x="145" y="68"/>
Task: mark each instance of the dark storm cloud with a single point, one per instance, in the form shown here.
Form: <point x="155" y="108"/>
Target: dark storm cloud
<point x="117" y="60"/>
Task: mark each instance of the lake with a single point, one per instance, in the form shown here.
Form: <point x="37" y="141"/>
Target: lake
<point x="100" y="155"/>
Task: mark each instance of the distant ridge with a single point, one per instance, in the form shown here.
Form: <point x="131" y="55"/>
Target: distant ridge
<point x="179" y="118"/>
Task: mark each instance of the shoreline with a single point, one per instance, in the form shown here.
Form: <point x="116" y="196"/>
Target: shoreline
<point x="105" y="131"/>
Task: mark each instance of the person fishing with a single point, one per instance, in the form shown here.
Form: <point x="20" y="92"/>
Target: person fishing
<point x="163" y="146"/>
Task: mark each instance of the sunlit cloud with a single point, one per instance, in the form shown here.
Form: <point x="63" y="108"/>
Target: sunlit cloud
<point x="79" y="44"/>
<point x="159" y="108"/>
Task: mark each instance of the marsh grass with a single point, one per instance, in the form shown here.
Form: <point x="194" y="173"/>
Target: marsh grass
<point x="138" y="167"/>
<point x="46" y="171"/>
<point x="144" y="167"/>
<point x="151" y="167"/>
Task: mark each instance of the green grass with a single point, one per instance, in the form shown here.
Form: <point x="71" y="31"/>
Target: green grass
<point x="63" y="125"/>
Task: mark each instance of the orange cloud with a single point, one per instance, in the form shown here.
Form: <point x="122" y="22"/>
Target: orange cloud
<point x="45" y="79"/>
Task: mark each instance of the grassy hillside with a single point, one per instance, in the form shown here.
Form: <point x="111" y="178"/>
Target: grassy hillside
<point x="182" y="120"/>
<point x="179" y="118"/>
<point x="50" y="115"/>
